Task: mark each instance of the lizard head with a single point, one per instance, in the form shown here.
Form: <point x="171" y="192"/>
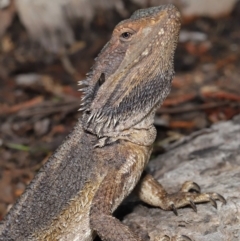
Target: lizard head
<point x="132" y="74"/>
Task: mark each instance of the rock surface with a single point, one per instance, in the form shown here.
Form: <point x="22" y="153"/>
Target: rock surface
<point x="210" y="158"/>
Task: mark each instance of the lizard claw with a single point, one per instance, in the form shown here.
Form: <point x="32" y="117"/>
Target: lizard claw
<point x="218" y="197"/>
<point x="184" y="238"/>
<point x="175" y="238"/>
<point x="184" y="198"/>
<point x="193" y="206"/>
<point x="188" y="186"/>
<point x="174" y="209"/>
<point x="213" y="202"/>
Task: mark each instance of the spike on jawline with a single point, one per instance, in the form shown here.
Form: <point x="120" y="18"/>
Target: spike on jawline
<point x="82" y="89"/>
<point x="109" y="120"/>
<point x="101" y="118"/>
<point x="84" y="97"/>
<point x="90" y="117"/>
<point x="83" y="82"/>
<point x="82" y="108"/>
<point x="98" y="129"/>
<point x="114" y="121"/>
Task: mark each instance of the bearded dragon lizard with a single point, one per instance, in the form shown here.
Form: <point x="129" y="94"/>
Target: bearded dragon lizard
<point x="75" y="193"/>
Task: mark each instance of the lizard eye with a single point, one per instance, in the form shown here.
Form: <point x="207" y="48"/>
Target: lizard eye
<point x="126" y="36"/>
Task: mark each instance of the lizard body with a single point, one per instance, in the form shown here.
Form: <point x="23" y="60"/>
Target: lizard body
<point x="100" y="162"/>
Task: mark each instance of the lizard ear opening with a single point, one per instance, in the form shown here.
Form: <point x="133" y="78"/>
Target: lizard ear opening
<point x="101" y="80"/>
<point x="99" y="83"/>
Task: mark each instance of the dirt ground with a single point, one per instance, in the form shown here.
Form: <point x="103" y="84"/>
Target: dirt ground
<point x="39" y="97"/>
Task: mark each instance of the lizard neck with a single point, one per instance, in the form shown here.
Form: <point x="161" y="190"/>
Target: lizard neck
<point x="143" y="133"/>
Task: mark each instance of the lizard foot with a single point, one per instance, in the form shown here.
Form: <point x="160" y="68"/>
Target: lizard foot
<point x="187" y="198"/>
<point x="152" y="192"/>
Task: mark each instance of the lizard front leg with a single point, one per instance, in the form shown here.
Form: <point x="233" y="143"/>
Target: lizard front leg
<point x="108" y="196"/>
<point x="152" y="192"/>
<point x="101" y="220"/>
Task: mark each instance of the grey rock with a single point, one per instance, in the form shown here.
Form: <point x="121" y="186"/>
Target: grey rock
<point x="210" y="158"/>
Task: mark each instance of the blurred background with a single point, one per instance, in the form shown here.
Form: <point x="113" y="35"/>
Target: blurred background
<point x="47" y="46"/>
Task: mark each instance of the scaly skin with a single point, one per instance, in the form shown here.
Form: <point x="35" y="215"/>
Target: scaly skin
<point x="100" y="162"/>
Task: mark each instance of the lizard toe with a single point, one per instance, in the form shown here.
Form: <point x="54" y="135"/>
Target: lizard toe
<point x="190" y="186"/>
<point x="216" y="196"/>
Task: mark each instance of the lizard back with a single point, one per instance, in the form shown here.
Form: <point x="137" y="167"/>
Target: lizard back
<point x="59" y="181"/>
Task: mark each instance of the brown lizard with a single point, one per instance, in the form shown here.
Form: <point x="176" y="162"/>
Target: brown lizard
<point x="100" y="162"/>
